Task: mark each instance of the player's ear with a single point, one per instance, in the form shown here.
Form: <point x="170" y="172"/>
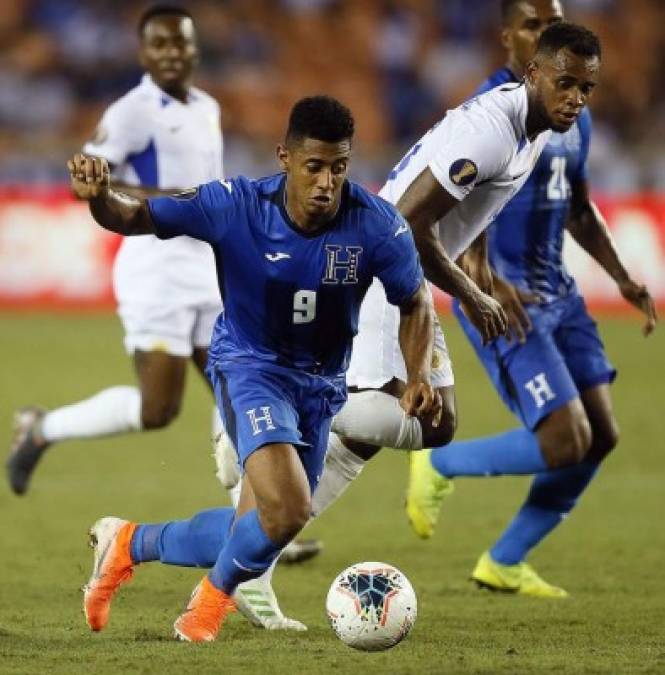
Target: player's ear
<point x="507" y="38"/>
<point x="530" y="72"/>
<point x="283" y="156"/>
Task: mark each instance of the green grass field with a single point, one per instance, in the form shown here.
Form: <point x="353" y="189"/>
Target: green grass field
<point x="609" y="554"/>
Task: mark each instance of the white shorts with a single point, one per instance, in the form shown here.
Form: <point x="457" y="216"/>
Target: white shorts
<point x="174" y="330"/>
<point x="376" y="358"/>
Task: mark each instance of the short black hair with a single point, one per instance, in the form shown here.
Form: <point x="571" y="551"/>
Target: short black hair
<point x="507" y="8"/>
<point x="161" y="10"/>
<point x="564" y="35"/>
<point x="321" y="117"/>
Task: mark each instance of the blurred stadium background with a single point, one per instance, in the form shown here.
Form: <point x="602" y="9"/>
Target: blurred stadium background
<point x="398" y="64"/>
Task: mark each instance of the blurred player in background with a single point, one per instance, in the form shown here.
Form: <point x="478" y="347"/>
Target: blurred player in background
<point x="162" y="136"/>
<point x="296" y="253"/>
<point x="555" y="377"/>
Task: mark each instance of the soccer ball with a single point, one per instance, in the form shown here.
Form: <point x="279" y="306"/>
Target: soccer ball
<point x="371" y="606"/>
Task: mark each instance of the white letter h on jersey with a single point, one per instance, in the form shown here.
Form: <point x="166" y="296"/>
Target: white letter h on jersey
<point x="256" y="420"/>
<point x="540" y="389"/>
<point x="335" y="263"/>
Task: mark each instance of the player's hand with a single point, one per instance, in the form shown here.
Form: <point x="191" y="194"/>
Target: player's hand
<point x="90" y="176"/>
<point x="487" y="315"/>
<point x="639" y="296"/>
<point x="421" y="399"/>
<point x="512" y="300"/>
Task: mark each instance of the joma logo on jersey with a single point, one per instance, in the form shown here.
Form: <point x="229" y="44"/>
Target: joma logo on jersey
<point x="262" y="422"/>
<point x="540" y="389"/>
<point x="342" y="266"/>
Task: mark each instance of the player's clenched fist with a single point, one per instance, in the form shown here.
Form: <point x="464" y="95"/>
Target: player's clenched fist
<point x="420" y="399"/>
<point x="89" y="175"/>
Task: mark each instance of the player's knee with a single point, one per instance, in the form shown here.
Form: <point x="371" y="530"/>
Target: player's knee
<point x="444" y="432"/>
<point x="159" y="415"/>
<point x="284" y="519"/>
<point x="565" y="445"/>
<point x="605" y="439"/>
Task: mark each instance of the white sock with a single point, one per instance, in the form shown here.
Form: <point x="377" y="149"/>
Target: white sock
<point x="111" y="411"/>
<point x="217" y="425"/>
<point x="377" y="418"/>
<point x="341" y="468"/>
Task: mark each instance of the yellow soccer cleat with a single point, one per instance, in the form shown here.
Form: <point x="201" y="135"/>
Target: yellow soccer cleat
<point x="426" y="491"/>
<point x="521" y="579"/>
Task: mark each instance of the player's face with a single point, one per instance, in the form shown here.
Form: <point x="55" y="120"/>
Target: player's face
<point x="561" y="86"/>
<point x="169" y="51"/>
<point x="528" y="20"/>
<point x="315" y="171"/>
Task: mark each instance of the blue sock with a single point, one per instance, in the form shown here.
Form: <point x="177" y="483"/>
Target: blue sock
<point x="196" y="542"/>
<point x="552" y="496"/>
<point x="512" y="453"/>
<point x="248" y="553"/>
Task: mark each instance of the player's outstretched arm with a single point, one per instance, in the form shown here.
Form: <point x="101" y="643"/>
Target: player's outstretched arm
<point x="423" y="204"/>
<point x="590" y="230"/>
<point x="416" y="337"/>
<point x="115" y="211"/>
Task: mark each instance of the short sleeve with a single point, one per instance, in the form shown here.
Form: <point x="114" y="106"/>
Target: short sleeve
<point x="584" y="126"/>
<point x="120" y="133"/>
<point x="204" y="213"/>
<point x="396" y="263"/>
<point x="470" y="153"/>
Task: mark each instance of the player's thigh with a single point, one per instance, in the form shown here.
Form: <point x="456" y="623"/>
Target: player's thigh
<point x="579" y="342"/>
<point x="161" y="379"/>
<point x="278" y="481"/>
<point x="532" y="378"/>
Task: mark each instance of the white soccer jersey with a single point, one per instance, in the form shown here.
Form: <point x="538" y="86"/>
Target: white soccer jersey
<point x="480" y="154"/>
<point x="155" y="140"/>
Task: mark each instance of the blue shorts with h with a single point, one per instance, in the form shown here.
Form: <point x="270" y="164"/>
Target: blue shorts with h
<point x="563" y="355"/>
<point x="262" y="403"/>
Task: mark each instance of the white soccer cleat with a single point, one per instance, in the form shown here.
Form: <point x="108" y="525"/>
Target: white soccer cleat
<point x="226" y="459"/>
<point x="256" y="601"/>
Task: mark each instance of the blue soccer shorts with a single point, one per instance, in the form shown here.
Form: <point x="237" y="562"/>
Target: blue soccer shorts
<point x="563" y="355"/>
<point x="263" y="404"/>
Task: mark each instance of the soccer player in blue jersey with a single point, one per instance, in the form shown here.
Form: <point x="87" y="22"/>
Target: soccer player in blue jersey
<point x="295" y="254"/>
<point x="555" y="376"/>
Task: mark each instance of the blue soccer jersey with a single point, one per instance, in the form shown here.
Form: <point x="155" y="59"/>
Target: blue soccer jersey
<point x="292" y="298"/>
<point x="526" y="238"/>
<point x="563" y="353"/>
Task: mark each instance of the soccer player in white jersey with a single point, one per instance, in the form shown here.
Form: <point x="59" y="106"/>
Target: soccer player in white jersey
<point x="161" y="137"/>
<point x="450" y="186"/>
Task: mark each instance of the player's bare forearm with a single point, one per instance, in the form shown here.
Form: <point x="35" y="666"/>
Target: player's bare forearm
<point x="475" y="263"/>
<point x="589" y="229"/>
<point x="143" y="191"/>
<point x="115" y="211"/>
<point x="416" y="335"/>
<point x="121" y="213"/>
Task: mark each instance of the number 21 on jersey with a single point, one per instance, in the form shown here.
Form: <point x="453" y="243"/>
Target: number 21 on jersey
<point x="557" y="187"/>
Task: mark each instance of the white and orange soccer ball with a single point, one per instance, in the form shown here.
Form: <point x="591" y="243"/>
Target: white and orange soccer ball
<point x="371" y="606"/>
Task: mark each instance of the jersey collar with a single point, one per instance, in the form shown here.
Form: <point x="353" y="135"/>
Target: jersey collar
<point x="164" y="99"/>
<point x="281" y="203"/>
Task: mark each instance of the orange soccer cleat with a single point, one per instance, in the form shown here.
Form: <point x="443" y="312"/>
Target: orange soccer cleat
<point x="111" y="539"/>
<point x="205" y="613"/>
